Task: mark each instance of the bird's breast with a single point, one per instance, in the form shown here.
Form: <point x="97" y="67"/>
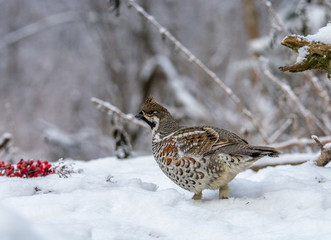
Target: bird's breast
<point x="188" y="172"/>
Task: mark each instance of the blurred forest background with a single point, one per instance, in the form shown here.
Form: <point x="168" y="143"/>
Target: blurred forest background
<point x="56" y="55"/>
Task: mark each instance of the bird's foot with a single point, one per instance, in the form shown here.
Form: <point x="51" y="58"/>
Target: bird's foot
<point x="197" y="196"/>
<point x="224" y="192"/>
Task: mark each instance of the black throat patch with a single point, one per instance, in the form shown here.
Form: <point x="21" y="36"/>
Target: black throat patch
<point x="151" y="124"/>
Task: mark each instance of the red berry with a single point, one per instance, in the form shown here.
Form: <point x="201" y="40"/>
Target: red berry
<point x="27" y="169"/>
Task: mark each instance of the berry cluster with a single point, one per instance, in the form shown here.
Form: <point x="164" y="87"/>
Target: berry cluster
<point x="26" y="169"/>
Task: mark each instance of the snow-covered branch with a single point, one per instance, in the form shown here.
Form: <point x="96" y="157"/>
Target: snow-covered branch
<point x="193" y="59"/>
<point x="110" y="109"/>
<point x="122" y="142"/>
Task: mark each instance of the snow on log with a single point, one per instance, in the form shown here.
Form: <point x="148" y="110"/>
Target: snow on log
<point x="314" y="51"/>
<point x="325" y="156"/>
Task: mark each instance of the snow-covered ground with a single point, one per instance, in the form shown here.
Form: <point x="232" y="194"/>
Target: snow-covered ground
<point x="284" y="202"/>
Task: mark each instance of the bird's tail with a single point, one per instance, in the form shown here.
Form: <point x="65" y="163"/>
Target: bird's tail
<point x="264" y="151"/>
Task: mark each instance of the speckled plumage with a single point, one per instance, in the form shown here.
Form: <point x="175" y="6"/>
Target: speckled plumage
<point x="198" y="158"/>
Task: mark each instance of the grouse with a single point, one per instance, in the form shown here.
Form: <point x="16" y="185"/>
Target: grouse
<point x="200" y="157"/>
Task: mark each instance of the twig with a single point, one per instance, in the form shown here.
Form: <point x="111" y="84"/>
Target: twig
<point x="48" y="22"/>
<point x="274" y="16"/>
<point x="112" y="110"/>
<point x="64" y="170"/>
<point x="280" y="130"/>
<point x="309" y="117"/>
<point x="193" y="59"/>
<point x="299" y="142"/>
<point x="318" y="142"/>
<point x="320" y="91"/>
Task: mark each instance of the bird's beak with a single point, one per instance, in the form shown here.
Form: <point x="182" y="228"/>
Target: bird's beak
<point x="140" y="115"/>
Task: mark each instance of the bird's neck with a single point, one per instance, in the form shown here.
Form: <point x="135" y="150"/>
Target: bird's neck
<point x="164" y="128"/>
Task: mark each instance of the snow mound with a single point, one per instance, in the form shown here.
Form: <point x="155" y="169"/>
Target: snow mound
<point x="132" y="199"/>
<point x="323" y="35"/>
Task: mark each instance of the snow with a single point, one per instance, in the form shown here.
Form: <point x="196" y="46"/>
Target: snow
<point x="323" y="35"/>
<point x="139" y="202"/>
<point x="287" y="158"/>
<point x="268" y="3"/>
<point x="5" y="136"/>
<point x="327" y="146"/>
<point x="302" y="53"/>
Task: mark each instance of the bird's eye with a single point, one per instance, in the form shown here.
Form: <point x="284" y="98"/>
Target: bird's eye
<point x="151" y="112"/>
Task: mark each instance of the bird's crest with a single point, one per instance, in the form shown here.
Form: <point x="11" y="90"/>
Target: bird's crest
<point x="151" y="105"/>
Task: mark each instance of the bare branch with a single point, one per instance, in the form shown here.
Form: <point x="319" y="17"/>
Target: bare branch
<point x="110" y="109"/>
<point x="299" y="142"/>
<point x="318" y="142"/>
<point x="49" y="22"/>
<point x="280" y="130"/>
<point x="279" y="23"/>
<point x="193" y="59"/>
<point x="322" y="93"/>
<point x="308" y="116"/>
<point x="297" y="159"/>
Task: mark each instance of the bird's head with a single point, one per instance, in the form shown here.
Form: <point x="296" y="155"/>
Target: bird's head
<point x="153" y="113"/>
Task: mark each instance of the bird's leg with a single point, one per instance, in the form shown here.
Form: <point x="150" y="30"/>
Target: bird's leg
<point x="197" y="196"/>
<point x="224" y="192"/>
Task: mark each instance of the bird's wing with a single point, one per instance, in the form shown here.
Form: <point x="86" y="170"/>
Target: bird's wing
<point x="203" y="140"/>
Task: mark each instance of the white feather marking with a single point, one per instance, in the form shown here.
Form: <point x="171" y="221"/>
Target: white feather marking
<point x="189" y="134"/>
